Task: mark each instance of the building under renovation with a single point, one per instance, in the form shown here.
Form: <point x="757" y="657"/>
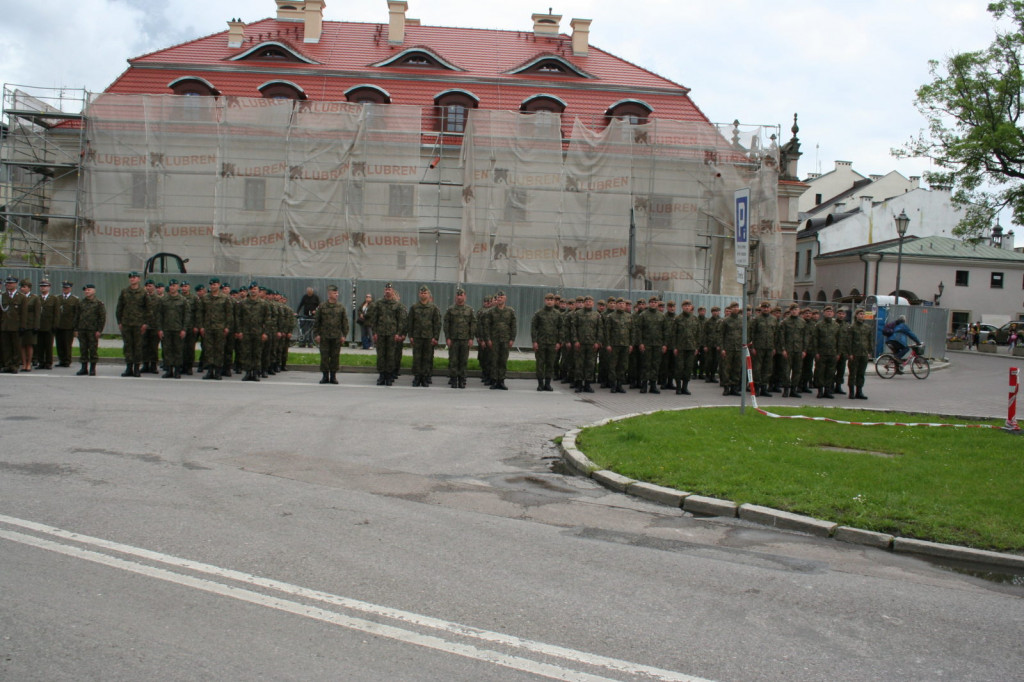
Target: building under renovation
<point x="414" y="153"/>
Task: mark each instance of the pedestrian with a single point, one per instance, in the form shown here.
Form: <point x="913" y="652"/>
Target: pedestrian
<point x="92" y="318"/>
<point x="684" y="341"/>
<point x="652" y="345"/>
<point x="172" y="320"/>
<point x="501" y="335"/>
<point x="826" y="352"/>
<point x="791" y="351"/>
<point x="216" y="311"/>
<point x="132" y="315"/>
<point x="587" y="339"/>
<point x="330" y="328"/>
<point x="618" y="336"/>
<point x="861" y="346"/>
<point x="362" y="319"/>
<point x="387" y="317"/>
<point x="423" y="329"/>
<point x="459" y="331"/>
<point x="251" y="332"/>
<point x="731" y="340"/>
<point x="545" y="327"/>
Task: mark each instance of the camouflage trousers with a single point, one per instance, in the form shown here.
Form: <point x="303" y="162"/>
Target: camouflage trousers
<point x="545" y="357"/>
<point x="389" y="353"/>
<point x="250" y="351"/>
<point x="586" y="362"/>
<point x="330" y="354"/>
<point x="422" y="357"/>
<point x="88" y="346"/>
<point x="858" y="368"/>
<point x="213" y="347"/>
<point x="131" y="338"/>
<point x="499" y="360"/>
<point x="172" y="346"/>
<point x="685" y="362"/>
<point x="458" y="357"/>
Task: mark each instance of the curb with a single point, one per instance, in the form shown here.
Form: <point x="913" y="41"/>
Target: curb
<point x="774" y="518"/>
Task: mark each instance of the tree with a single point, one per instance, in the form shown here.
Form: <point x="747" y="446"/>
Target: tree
<point x="973" y="107"/>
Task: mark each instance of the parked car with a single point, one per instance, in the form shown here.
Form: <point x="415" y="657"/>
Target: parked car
<point x="1002" y="335"/>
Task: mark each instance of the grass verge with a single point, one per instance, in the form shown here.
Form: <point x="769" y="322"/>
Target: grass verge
<point x="949" y="485"/>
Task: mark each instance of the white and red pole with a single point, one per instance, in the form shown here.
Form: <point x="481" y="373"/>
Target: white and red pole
<point x="1011" y="410"/>
<point x="750" y="377"/>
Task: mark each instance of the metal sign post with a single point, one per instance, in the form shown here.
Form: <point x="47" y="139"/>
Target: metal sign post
<point x="742" y="251"/>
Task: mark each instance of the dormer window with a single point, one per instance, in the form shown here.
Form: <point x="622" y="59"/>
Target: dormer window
<point x="193" y="87"/>
<point x="275" y="53"/>
<point x="281" y="90"/>
<point x="453" y="109"/>
<point x="418" y="58"/>
<point x="538" y="103"/>
<point x="367" y="94"/>
<point x="630" y="110"/>
<point x="272" y="51"/>
<point x="550" y="65"/>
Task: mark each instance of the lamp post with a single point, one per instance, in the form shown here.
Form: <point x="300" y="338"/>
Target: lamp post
<point x="902" y="222"/>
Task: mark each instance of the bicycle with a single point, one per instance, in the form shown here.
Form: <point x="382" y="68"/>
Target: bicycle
<point x="303" y="335"/>
<point x="888" y="365"/>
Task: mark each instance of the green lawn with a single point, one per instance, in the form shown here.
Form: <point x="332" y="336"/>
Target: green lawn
<point x="961" y="486"/>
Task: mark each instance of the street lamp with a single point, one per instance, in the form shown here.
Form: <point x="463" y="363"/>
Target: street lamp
<point x="902" y="222"/>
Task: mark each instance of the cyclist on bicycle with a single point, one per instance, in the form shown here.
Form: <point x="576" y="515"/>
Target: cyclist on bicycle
<point x="897" y="341"/>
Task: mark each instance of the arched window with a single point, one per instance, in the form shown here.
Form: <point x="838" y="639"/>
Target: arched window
<point x="281" y="90"/>
<point x="453" y="109"/>
<point x="630" y="110"/>
<point x="836" y="295"/>
<point x="854" y="292"/>
<point x="807" y="296"/>
<point x="193" y="87"/>
<point x="542" y="103"/>
<point x="367" y="94"/>
<point x="821" y="296"/>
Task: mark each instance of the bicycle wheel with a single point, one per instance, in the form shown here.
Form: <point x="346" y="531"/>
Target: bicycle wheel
<point x="885" y="366"/>
<point x="920" y="367"/>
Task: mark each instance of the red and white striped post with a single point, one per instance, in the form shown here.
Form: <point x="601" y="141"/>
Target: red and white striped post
<point x="750" y="377"/>
<point x="1011" y="410"/>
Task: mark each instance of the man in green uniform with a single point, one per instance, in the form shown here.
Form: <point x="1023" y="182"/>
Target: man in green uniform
<point x="330" y="328"/>
<point x="483" y="353"/>
<point x="92" y="317"/>
<point x="762" y="339"/>
<point x="188" y="345"/>
<point x="826" y="352"/>
<point x="844" y="351"/>
<point x="173" y="319"/>
<point x="861" y="348"/>
<point x="33" y="309"/>
<point x="423" y="328"/>
<point x="635" y="356"/>
<point x="49" y="307"/>
<point x="684" y="340"/>
<point x="587" y="339"/>
<point x="810" y="317"/>
<point x="544" y="334"/>
<point x="12" y="322"/>
<point x="652" y="345"/>
<point x="711" y="340"/>
<point x="251" y="332"/>
<point x="732" y="349"/>
<point x="215" y="313"/>
<point x="667" y="371"/>
<point x="66" y="322"/>
<point x="459" y="331"/>
<point x="132" y="314"/>
<point x="150" y="342"/>
<point x="501" y="335"/>
<point x="618" y="336"/>
<point x="791" y="352"/>
<point x="387" y="318"/>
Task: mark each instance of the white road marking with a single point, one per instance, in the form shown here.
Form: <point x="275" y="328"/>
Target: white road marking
<point x="391" y="632"/>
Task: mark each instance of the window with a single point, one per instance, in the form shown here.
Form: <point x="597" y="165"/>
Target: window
<point x="817" y="199"/>
<point x="367" y="95"/>
<point x="962" y="278"/>
<point x="453" y="111"/>
<point x="796" y="266"/>
<point x="997" y="280"/>
<point x="255" y="194"/>
<point x="401" y="201"/>
<point x="807" y="264"/>
<point x="542" y="103"/>
<point x="144" y="190"/>
<point x="515" y="205"/>
<point x="630" y="111"/>
<point x="278" y="90"/>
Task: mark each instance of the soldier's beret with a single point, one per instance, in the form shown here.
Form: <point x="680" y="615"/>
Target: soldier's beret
<point x="160" y="285"/>
<point x="88" y="286"/>
<point x="828" y="307"/>
<point x="487" y="299"/>
<point x="253" y="285"/>
<point x="672" y="304"/>
<point x="185" y="283"/>
<point x="588" y="297"/>
<point x="652" y="299"/>
<point x="499" y="294"/>
<point x="602" y="302"/>
<point x="424" y="289"/>
<point x="687" y="302"/>
<point x="44" y="283"/>
<point x="214" y="280"/>
<point x="66" y="283"/>
<point x="389" y="285"/>
<point x="548" y="295"/>
<point x="332" y="287"/>
<point x="714" y="308"/>
<point x="200" y="287"/>
<point x="133" y="274"/>
<point x="172" y="281"/>
<point x="460" y="292"/>
<point x="149" y="281"/>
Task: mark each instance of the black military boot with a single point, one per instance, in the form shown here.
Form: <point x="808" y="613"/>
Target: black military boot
<point x="829" y="395"/>
<point x="860" y="394"/>
<point x="462" y="382"/>
<point x="84" y="371"/>
<point x="619" y="388"/>
<point x="216" y="374"/>
<point x="209" y="374"/>
<point x="92" y="369"/>
<point x="654" y="388"/>
<point x="547" y="385"/>
<point x="334" y="378"/>
<point x="785" y="392"/>
<point x="502" y="386"/>
<point x="734" y="391"/>
<point x="643" y="387"/>
<point x="794" y="393"/>
<point x="226" y="371"/>
<point x="821" y="392"/>
<point x="416" y="381"/>
<point x="540" y="384"/>
<point x="324" y="378"/>
<point x="685" y="388"/>
<point x="177" y="373"/>
<point x="852" y="393"/>
<point x="587" y="388"/>
<point x="128" y="371"/>
<point x="168" y="374"/>
<point x="839" y="389"/>
<point x="380" y="379"/>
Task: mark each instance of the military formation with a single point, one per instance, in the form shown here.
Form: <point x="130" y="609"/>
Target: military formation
<point x="614" y="344"/>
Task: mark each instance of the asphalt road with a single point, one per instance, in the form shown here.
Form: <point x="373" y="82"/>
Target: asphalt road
<point x="182" y="530"/>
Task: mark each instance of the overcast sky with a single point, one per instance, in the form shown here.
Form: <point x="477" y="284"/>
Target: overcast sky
<point x="848" y="68"/>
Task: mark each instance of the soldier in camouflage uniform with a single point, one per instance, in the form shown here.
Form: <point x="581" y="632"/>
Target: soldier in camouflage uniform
<point x="791" y="351"/>
<point x="188" y="346"/>
<point x="66" y="322"/>
<point x="330" y="328"/>
<point x="216" y="313"/>
<point x="49" y="306"/>
<point x="667" y="371"/>
<point x="635" y="356"/>
<point x="132" y="314"/>
<point x="230" y="342"/>
<point x="459" y="331"/>
<point x="387" y="318"/>
<point x="843" y="351"/>
<point x="172" y="320"/>
<point x="587" y="339"/>
<point x="251" y="332"/>
<point x="711" y="340"/>
<point x="810" y="317"/>
<point x="826" y="352"/>
<point x="684" y="341"/>
<point x="861" y="346"/>
<point x="731" y="350"/>
<point x="92" y="317"/>
<point x="652" y="345"/>
<point x="763" y="330"/>
<point x="618" y="336"/>
<point x="501" y="334"/>
<point x="604" y="310"/>
<point x="423" y="327"/>
<point x="545" y="327"/>
<point x="150" y="342"/>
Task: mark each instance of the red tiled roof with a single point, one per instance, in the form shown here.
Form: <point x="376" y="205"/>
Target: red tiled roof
<point x="346" y="51"/>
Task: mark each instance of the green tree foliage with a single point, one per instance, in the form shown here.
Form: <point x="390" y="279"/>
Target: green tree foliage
<point x="973" y="110"/>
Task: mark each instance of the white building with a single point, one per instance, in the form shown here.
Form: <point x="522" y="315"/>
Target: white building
<point x="844" y="184"/>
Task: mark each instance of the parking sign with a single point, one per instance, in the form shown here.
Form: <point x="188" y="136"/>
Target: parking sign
<point x="742" y="198"/>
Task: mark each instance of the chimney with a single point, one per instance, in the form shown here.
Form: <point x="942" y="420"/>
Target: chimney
<point x="915" y="180"/>
<point x="314" y="17"/>
<point x="289" y="10"/>
<point x="865" y="205"/>
<point x="396" y="24"/>
<point x="874" y="177"/>
<point x="546" y="25"/>
<point x="236" y="32"/>
<point x="580" y="37"/>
